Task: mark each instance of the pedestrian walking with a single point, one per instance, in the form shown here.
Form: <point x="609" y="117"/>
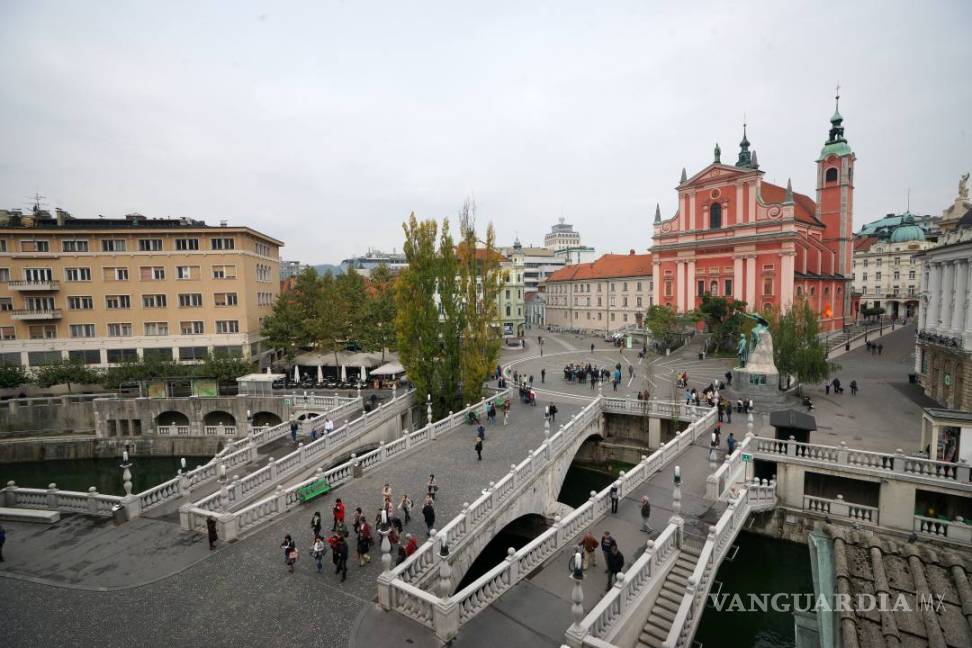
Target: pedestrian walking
<point x="3" y="539"/>
<point x="728" y="375"/>
<point x="880" y="348"/>
<point x="316" y="523"/>
<point x="543" y="376"/>
<point x="481" y="432"/>
<point x="731" y="443"/>
<point x="411" y="544"/>
<point x="606" y="543"/>
<point x="592" y="347"/>
<point x="428" y="512"/>
<point x="531" y="380"/>
<point x="615" y="561"/>
<point x="294" y="426"/>
<point x="645" y="513"/>
<point x="553" y="413"/>
<point x="590" y="549"/>
<point x="717" y="434"/>
<point x="433" y="487"/>
<point x="479" y="450"/>
<point x="506" y="411"/>
<point x="341" y="558"/>
<point x="338" y="513"/>
<point x="615" y="494"/>
<point x="405" y="506"/>
<point x="328" y="425"/>
<point x="317" y="553"/>
<point x="853" y="386"/>
<point x="211" y="532"/>
<point x="402" y="555"/>
<point x="365" y="541"/>
<point x="290" y="552"/>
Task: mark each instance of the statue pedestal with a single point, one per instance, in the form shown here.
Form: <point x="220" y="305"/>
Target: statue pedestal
<point x="759" y="379"/>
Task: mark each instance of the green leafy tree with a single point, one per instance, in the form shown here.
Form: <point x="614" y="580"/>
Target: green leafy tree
<point x="66" y="373"/>
<point x="379" y="325"/>
<point x="293" y="324"/>
<point x="451" y="325"/>
<point x="417" y="311"/>
<point x="663" y="324"/>
<point x="13" y="376"/>
<point x="797" y="349"/>
<point x="721" y="318"/>
<point x="224" y="369"/>
<point x="479" y="278"/>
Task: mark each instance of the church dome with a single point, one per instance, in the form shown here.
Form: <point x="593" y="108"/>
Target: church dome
<point x="907" y="231"/>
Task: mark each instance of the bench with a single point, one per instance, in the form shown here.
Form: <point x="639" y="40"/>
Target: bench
<point x="314" y="489"/>
<point x="29" y="515"/>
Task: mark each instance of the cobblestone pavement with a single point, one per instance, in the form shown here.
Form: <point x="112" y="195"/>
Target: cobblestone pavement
<point x="242" y="595"/>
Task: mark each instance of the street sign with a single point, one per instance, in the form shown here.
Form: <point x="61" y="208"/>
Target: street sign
<point x="747" y="457"/>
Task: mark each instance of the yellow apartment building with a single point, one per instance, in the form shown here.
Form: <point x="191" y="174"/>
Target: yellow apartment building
<point x="105" y="291"/>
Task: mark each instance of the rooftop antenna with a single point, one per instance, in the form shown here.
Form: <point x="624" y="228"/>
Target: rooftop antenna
<point x="837" y="97"/>
<point x="909" y="199"/>
<point x="37" y="200"/>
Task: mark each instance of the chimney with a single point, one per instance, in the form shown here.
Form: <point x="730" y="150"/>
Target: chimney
<point x="223" y="223"/>
<point x="631" y="252"/>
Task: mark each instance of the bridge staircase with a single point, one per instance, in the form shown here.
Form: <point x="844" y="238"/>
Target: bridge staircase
<point x="669" y="599"/>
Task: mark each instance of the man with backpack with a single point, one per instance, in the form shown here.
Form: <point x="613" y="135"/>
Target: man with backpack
<point x="615" y="560"/>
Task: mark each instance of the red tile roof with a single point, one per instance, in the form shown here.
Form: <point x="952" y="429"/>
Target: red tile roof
<point x="804" y="208"/>
<point x="608" y="265"/>
<point x="864" y="244"/>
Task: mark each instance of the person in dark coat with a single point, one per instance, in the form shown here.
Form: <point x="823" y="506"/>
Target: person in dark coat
<point x="341" y="558"/>
<point x="316" y="523"/>
<point x="3" y="538"/>
<point x="479" y="449"/>
<point x="428" y="512"/>
<point x="615" y="561"/>
<point x="211" y="532"/>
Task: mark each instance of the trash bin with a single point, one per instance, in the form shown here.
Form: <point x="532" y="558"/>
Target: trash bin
<point x="119" y="514"/>
<point x="913" y="378"/>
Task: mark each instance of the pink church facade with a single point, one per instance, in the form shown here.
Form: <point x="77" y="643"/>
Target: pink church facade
<point x="736" y="235"/>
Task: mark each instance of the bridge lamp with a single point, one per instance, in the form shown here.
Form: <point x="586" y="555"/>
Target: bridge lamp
<point x="577" y="566"/>
<point x="677" y="479"/>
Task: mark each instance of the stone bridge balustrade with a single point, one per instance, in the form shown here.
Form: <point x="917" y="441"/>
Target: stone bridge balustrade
<point x="513" y="496"/>
<point x="232" y="524"/>
<point x="90" y="503"/>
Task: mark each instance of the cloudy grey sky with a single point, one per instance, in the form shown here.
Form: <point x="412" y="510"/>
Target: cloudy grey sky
<point x="324" y="124"/>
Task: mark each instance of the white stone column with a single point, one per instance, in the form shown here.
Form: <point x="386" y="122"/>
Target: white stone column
<point x="656" y="282"/>
<point x="786" y="279"/>
<point x="751" y="283"/>
<point x="690" y="280"/>
<point x="948" y="296"/>
<point x="966" y="331"/>
<point x="934" y="295"/>
<point x="737" y="279"/>
<point x="961" y="287"/>
<point x="680" y="287"/>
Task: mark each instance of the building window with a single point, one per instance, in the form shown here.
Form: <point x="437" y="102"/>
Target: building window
<point x="6" y="304"/>
<point x="3" y="245"/>
<point x="768" y="286"/>
<point x="229" y="299"/>
<point x="157" y="353"/>
<point x="4" y="274"/>
<point x="190" y="300"/>
<point x="116" y="302"/>
<point x="612" y="317"/>
<point x="831" y="175"/>
<point x="82" y="330"/>
<point x="728" y="284"/>
<point x="223" y="244"/>
<point x="715" y="216"/>
<point x="231" y="326"/>
<point x="191" y="328"/>
<point x="813" y="291"/>
<point x="153" y="301"/>
<point x="714" y="287"/>
<point x="8" y="333"/>
<point x="187" y="244"/>
<point x="187" y="272"/>
<point x="38" y="274"/>
<point x="80" y="302"/>
<point x="77" y="274"/>
<point x="668" y="288"/>
<point x="863" y="276"/>
<point x="115" y="274"/>
<point x="113" y="245"/>
<point x="85" y="356"/>
<point x="150" y="245"/>
<point x="151" y="273"/>
<point x="120" y="330"/>
<point x="71" y="245"/>
<point x="639" y="302"/>
<point x="42" y="304"/>
<point x="117" y="356"/>
<point x="38" y="358"/>
<point x="193" y="353"/>
<point x="43" y="332"/>
<point x="35" y="246"/>
<point x="156" y="328"/>
<point x="229" y="272"/>
<point x="701" y="287"/>
<point x="877" y="276"/>
<point x="911" y="274"/>
<point x="624" y="302"/>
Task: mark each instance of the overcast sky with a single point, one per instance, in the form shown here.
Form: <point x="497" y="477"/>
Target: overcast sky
<point x="324" y="124"/>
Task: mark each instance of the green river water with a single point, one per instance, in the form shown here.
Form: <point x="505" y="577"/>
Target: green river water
<point x="103" y="474"/>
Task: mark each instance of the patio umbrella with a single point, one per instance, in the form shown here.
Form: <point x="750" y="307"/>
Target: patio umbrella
<point x="296" y="373"/>
<point x="320" y="374"/>
<point x="364" y="374"/>
<point x="344" y="374"/>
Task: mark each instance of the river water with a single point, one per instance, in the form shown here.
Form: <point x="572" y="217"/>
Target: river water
<point x="763" y="565"/>
<point x="103" y="474"/>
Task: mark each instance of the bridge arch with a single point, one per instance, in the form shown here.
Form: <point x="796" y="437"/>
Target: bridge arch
<point x="219" y="417"/>
<point x="261" y="419"/>
<point x="171" y="417"/>
<point x="307" y="416"/>
<point x="515" y="534"/>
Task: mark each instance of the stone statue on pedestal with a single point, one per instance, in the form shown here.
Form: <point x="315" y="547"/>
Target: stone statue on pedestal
<point x="963" y="191"/>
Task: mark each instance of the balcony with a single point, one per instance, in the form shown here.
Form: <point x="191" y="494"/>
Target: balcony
<point x="35" y="315"/>
<point x="30" y="285"/>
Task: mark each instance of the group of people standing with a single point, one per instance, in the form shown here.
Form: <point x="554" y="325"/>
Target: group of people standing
<point x="390" y="521"/>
